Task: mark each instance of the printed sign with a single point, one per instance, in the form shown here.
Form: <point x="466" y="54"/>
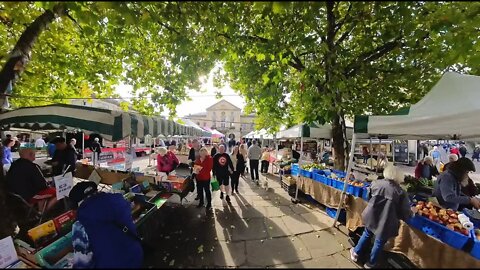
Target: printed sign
<point x="63" y="185"/>
<point x="8" y="255"/>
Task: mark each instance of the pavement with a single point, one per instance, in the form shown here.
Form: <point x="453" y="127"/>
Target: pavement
<point x="261" y="227"/>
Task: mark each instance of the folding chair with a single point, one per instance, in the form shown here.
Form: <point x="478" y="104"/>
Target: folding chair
<point x="32" y="208"/>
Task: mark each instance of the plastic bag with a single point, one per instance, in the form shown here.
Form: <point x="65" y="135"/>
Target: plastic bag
<point x="215" y="184"/>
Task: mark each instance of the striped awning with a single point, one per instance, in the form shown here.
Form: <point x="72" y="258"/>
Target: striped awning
<point x="112" y="125"/>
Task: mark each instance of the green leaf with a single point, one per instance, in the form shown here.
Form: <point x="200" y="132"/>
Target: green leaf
<point x="260" y="57"/>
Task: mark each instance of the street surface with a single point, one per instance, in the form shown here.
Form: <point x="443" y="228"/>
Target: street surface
<point x="260" y="228"/>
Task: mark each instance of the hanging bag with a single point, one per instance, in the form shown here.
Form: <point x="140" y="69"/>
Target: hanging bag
<point x="215" y="185"/>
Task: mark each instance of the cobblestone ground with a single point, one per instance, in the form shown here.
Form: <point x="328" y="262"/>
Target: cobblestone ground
<point x="259" y="228"/>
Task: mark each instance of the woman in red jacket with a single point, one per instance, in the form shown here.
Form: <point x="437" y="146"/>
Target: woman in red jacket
<point x="202" y="170"/>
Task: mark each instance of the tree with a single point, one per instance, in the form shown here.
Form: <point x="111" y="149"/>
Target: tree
<point x="325" y="61"/>
<point x="83" y="48"/>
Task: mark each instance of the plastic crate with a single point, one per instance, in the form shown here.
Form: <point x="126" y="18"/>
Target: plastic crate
<point x="439" y="231"/>
<point x="339" y="173"/>
<point x="327" y="173"/>
<point x="365" y="193"/>
<point x="355" y="191"/>
<point x="338" y="184"/>
<point x="332" y="212"/>
<point x="476" y="248"/>
<point x="48" y="256"/>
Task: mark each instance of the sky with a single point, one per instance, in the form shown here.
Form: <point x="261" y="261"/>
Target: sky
<point x="200" y="100"/>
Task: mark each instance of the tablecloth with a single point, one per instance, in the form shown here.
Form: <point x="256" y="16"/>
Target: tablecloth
<point x="422" y="250"/>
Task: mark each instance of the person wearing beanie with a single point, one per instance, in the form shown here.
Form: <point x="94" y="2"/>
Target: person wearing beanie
<point x="448" y="187"/>
<point x="104" y="235"/>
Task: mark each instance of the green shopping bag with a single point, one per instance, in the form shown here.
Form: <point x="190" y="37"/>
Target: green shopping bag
<point x="215" y="185"/>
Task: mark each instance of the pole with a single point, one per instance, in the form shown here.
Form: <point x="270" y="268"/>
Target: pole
<point x="299" y="163"/>
<point x="83" y="144"/>
<point x="378" y="155"/>
<point x="371" y="154"/>
<point x="349" y="169"/>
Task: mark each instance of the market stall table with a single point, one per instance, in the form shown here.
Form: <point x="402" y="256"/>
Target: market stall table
<point x="423" y="250"/>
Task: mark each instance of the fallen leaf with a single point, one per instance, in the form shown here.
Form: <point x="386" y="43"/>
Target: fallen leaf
<point x="172" y="262"/>
<point x="232" y="227"/>
<point x="200" y="249"/>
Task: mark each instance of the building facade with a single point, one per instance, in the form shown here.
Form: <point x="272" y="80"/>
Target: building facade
<point x="226" y="118"/>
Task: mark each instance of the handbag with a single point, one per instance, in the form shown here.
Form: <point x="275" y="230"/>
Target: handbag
<point x="215" y="184"/>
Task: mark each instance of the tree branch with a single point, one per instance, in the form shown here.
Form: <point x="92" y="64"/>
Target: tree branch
<point x="339" y="25"/>
<point x="370" y="56"/>
<point x="168" y="27"/>
<point x="345" y="35"/>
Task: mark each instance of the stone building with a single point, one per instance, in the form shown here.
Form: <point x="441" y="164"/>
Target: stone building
<point x="226" y="118"/>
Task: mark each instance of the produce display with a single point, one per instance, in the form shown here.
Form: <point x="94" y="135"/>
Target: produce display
<point x="312" y="166"/>
<point x="477" y="234"/>
<point x="446" y="217"/>
<point x="413" y="184"/>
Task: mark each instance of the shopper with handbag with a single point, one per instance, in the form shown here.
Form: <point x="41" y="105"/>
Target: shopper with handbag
<point x="202" y="170"/>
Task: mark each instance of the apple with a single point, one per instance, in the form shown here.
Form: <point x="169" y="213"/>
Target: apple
<point x="451" y="227"/>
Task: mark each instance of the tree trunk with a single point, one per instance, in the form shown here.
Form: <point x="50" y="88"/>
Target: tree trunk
<point x="23" y="48"/>
<point x="338" y="143"/>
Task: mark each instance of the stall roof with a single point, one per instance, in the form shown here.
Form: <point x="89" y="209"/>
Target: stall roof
<point x="448" y="111"/>
<point x="112" y="125"/>
<point x="314" y="130"/>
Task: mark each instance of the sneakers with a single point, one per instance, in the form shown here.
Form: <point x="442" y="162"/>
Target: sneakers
<point x="353" y="255"/>
<point x="368" y="266"/>
<point x="236" y="190"/>
<point x="221" y="195"/>
<point x="227" y="198"/>
<point x="233" y="192"/>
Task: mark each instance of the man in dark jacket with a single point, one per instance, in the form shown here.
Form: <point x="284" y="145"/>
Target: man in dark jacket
<point x="26" y="179"/>
<point x="193" y="154"/>
<point x="63" y="157"/>
<point x="463" y="150"/>
<point x="222" y="168"/>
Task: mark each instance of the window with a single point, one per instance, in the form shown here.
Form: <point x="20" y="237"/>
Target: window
<point x="198" y="123"/>
<point x="222" y="124"/>
<point x="223" y="117"/>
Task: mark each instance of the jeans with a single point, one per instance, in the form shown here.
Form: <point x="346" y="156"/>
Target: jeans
<point x="235" y="177"/>
<point x="204" y="186"/>
<point x="265" y="165"/>
<point x="254" y="169"/>
<point x="377" y="246"/>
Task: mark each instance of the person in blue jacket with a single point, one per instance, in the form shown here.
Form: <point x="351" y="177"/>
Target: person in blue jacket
<point x="7" y="151"/>
<point x="104" y="235"/>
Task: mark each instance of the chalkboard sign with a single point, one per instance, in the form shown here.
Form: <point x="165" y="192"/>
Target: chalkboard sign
<point x="401" y="152"/>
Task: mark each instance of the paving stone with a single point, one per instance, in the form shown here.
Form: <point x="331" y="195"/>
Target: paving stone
<point x="318" y="220"/>
<point x="323" y="245"/>
<point x="322" y="262"/>
<point x="225" y="254"/>
<point x="262" y="203"/>
<point x="251" y="212"/>
<point x="343" y="262"/>
<point x="276" y="227"/>
<point x="248" y="229"/>
<point x="274" y="211"/>
<point x="297" y="224"/>
<point x="299" y="209"/>
<point x="276" y="251"/>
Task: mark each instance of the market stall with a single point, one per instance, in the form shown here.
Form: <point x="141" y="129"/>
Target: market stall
<point x="49" y="244"/>
<point x="426" y="241"/>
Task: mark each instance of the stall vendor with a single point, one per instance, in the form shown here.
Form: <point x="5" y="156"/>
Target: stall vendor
<point x="63" y="157"/>
<point x="26" y="179"/>
<point x="447" y="188"/>
<point x="104" y="235"/>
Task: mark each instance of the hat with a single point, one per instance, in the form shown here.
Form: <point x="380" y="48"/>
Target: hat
<point x="81" y="191"/>
<point x="467" y="164"/>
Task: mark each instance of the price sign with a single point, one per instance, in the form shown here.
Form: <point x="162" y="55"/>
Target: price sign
<point x="63" y="185"/>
